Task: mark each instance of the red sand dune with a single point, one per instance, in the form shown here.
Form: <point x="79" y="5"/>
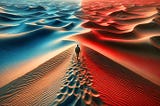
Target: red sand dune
<point x="121" y="60"/>
<point x="119" y="86"/>
<point x="125" y="34"/>
<point x="122" y="50"/>
<point x="140" y="57"/>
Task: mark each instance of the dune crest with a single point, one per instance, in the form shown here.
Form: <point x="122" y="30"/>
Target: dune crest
<point x="77" y="88"/>
<point x="39" y="86"/>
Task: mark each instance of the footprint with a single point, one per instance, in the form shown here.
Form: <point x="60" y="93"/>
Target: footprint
<point x="77" y="89"/>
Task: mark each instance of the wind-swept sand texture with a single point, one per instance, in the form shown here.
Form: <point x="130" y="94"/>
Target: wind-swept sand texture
<point x="77" y="88"/>
<point x="121" y="49"/>
<point x="117" y="85"/>
<point x="126" y="34"/>
<point x="28" y="31"/>
<point x="39" y="86"/>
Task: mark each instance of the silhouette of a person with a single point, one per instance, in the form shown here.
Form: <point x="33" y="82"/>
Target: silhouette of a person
<point x="77" y="50"/>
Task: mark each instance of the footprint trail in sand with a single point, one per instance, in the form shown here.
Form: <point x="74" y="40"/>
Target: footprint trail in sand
<point x="119" y="40"/>
<point x="77" y="89"/>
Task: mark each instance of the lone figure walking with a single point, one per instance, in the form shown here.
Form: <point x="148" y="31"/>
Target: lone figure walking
<point x="77" y="50"/>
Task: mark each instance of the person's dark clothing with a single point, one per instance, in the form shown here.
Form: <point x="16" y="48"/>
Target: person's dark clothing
<point x="77" y="50"/>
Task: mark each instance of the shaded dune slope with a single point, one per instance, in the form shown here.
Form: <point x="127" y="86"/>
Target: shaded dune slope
<point x="121" y="50"/>
<point x="126" y="33"/>
<point x="38" y="86"/>
<point x="29" y="30"/>
<point x="122" y="47"/>
<point x="119" y="86"/>
<point x="136" y="56"/>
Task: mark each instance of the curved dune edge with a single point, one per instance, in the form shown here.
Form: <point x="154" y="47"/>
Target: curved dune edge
<point x="117" y="85"/>
<point x="38" y="86"/>
<point x="13" y="73"/>
<point x="137" y="57"/>
<point x="126" y="35"/>
<point x="28" y="31"/>
<point x="155" y="41"/>
<point x="77" y="87"/>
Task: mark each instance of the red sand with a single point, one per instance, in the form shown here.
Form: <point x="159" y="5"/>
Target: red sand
<point x="122" y="54"/>
<point x="119" y="86"/>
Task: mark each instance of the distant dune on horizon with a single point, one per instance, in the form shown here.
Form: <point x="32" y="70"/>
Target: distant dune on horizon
<point x="119" y="58"/>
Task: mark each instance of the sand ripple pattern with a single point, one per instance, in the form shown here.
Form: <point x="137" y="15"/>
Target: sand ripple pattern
<point x="37" y="87"/>
<point x="77" y="89"/>
<point x="126" y="33"/>
<point x="31" y="30"/>
<point x="40" y="27"/>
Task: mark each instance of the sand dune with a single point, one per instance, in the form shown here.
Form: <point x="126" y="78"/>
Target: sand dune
<point x="133" y="55"/>
<point x="125" y="37"/>
<point x="118" y="85"/>
<point x="123" y="49"/>
<point x="38" y="86"/>
<point x="156" y="41"/>
<point x="28" y="31"/>
<point x="77" y="88"/>
<point x="120" y="53"/>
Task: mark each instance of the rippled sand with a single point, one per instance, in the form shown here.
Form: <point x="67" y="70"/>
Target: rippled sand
<point x="33" y="34"/>
<point x="77" y="88"/>
<point x="39" y="86"/>
<point x="119" y="59"/>
<point x="123" y="49"/>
